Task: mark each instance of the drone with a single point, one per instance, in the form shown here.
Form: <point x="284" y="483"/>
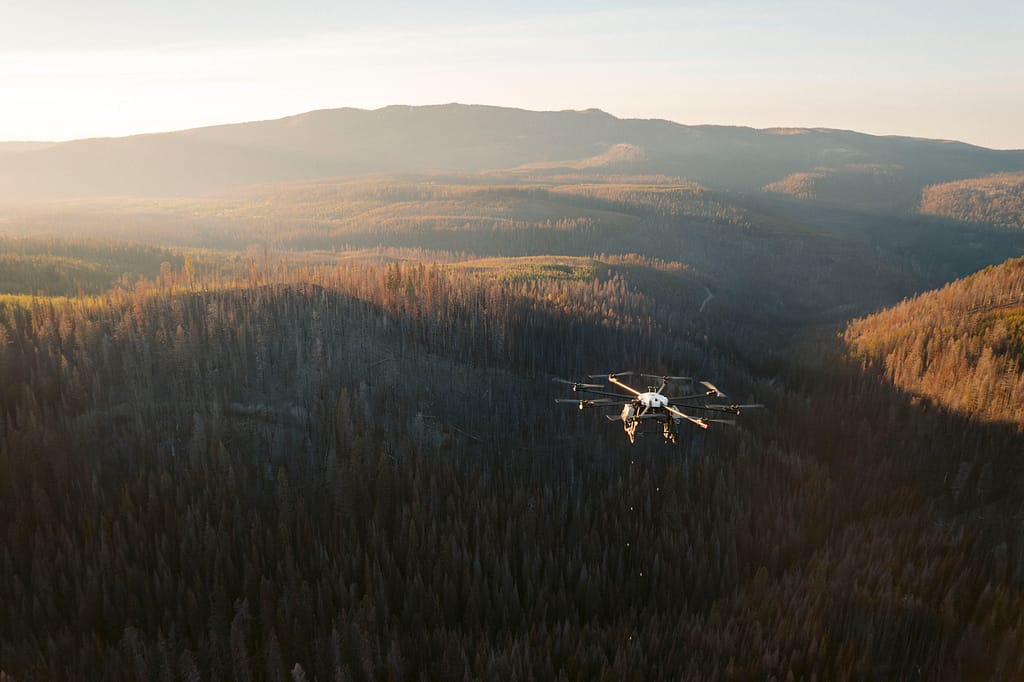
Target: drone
<point x="651" y="410"/>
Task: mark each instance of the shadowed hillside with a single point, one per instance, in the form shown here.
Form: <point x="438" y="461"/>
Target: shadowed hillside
<point x="466" y="138"/>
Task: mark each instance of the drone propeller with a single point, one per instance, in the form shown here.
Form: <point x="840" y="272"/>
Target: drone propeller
<point x="735" y="409"/>
<point x="665" y="380"/>
<point x="727" y="422"/>
<point x="711" y="387"/>
<point x="596" y="402"/>
<point x="576" y="385"/>
<point x="666" y="377"/>
<point x="610" y="375"/>
<point x="702" y="423"/>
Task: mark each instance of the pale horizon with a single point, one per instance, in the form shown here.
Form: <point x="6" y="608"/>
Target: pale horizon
<point x="258" y="119"/>
<point x="927" y="70"/>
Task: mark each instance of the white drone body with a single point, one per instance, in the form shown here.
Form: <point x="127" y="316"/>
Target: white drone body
<point x="652" y="408"/>
<point x="652" y="399"/>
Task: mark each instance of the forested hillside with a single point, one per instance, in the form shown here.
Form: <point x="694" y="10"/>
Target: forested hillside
<point x="790" y="263"/>
<point x="356" y="471"/>
<point x="475" y="212"/>
<point x="995" y="199"/>
<point x="307" y="430"/>
<point x="868" y="186"/>
<point x="961" y="346"/>
<point x="62" y="267"/>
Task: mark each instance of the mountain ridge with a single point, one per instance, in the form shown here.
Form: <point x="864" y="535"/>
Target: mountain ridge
<point x="465" y="138"/>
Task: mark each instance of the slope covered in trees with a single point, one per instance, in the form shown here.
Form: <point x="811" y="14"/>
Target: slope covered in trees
<point x="961" y="346"/>
<point x="356" y="472"/>
<point x="876" y="187"/>
<point x="790" y="263"/>
<point x="63" y="267"/>
<point x="482" y="212"/>
<point x="307" y="431"/>
<point x="995" y="199"/>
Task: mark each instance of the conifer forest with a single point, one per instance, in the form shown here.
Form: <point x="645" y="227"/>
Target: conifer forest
<point x="307" y="430"/>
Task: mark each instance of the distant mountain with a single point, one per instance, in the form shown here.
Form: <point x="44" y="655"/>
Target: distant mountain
<point x="962" y="346"/>
<point x="468" y="138"/>
<point x="6" y="147"/>
<point x="996" y="199"/>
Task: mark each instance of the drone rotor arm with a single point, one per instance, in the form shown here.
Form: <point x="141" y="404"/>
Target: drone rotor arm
<point x="617" y="396"/>
<point x="731" y="409"/>
<point x="734" y="409"/>
<point x="684" y="398"/>
<point x="608" y="402"/>
<point x="584" y="403"/>
<point x="702" y="423"/>
<point x="613" y="378"/>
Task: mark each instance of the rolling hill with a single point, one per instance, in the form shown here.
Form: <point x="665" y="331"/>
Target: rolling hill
<point x="995" y="199"/>
<point x="467" y="138"/>
<point x="873" y="186"/>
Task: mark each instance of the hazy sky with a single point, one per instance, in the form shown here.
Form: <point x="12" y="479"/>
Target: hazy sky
<point x="952" y="70"/>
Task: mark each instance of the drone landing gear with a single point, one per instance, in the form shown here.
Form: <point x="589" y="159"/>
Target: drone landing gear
<point x="630" y="429"/>
<point x="669" y="431"/>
